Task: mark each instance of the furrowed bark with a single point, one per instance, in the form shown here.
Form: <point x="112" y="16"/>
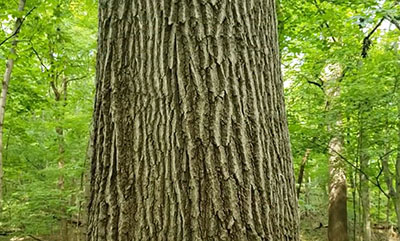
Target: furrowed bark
<point x="190" y="138"/>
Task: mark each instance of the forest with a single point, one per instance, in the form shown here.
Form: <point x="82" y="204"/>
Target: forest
<point x="177" y="120"/>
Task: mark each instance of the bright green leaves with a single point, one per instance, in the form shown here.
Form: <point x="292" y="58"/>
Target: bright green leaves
<point x="57" y="43"/>
<point x="317" y="33"/>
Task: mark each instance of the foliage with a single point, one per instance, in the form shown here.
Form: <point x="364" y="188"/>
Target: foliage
<point x="313" y="35"/>
<point x="58" y="38"/>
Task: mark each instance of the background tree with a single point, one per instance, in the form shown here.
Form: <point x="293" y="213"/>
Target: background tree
<point x="354" y="34"/>
<point x="33" y="202"/>
<point x="5" y="84"/>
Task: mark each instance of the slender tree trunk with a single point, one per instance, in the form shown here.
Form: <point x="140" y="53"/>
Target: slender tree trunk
<point x="364" y="163"/>
<point x="396" y="194"/>
<point x="301" y="171"/>
<point x="83" y="197"/>
<point x="352" y="180"/>
<point x="388" y="212"/>
<point x="394" y="191"/>
<point x="360" y="224"/>
<point x="60" y="96"/>
<point x="307" y="195"/>
<point x="378" y="220"/>
<point x="4" y="90"/>
<point x="190" y="138"/>
<point x="388" y="176"/>
<point x="61" y="159"/>
<point x="61" y="99"/>
<point x="337" y="221"/>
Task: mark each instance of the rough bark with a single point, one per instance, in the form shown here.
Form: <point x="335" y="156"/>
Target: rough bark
<point x="190" y="138"/>
<point x="4" y="90"/>
<point x="337" y="210"/>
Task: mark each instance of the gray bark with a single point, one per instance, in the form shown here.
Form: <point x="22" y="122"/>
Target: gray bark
<point x="337" y="222"/>
<point x="190" y="138"/>
<point x="4" y="90"/>
<point x="337" y="210"/>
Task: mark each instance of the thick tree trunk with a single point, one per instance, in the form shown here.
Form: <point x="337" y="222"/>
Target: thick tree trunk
<point x="4" y="90"/>
<point x="337" y="220"/>
<point x="190" y="139"/>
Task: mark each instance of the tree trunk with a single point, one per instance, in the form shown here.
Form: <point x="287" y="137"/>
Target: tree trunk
<point x="61" y="100"/>
<point x="60" y="96"/>
<point x="396" y="194"/>
<point x="388" y="212"/>
<point x="4" y="90"/>
<point x="337" y="221"/>
<point x="307" y="195"/>
<point x="364" y="163"/>
<point x="337" y="227"/>
<point x="301" y="172"/>
<point x="394" y="191"/>
<point x="353" y="180"/>
<point x="388" y="175"/>
<point x="190" y="138"/>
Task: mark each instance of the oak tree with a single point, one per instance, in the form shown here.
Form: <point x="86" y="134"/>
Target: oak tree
<point x="190" y="137"/>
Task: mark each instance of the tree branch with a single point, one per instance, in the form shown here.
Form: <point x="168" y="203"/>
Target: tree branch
<point x="40" y="59"/>
<point x="77" y="78"/>
<point x="55" y="90"/>
<point x="367" y="41"/>
<point x="377" y="184"/>
<point x="35" y="238"/>
<point x="18" y="28"/>
<point x="322" y="12"/>
<point x="317" y="84"/>
<point x="393" y="21"/>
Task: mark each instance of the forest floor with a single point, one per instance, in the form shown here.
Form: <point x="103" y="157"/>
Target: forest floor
<point x="310" y="230"/>
<point x="313" y="228"/>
